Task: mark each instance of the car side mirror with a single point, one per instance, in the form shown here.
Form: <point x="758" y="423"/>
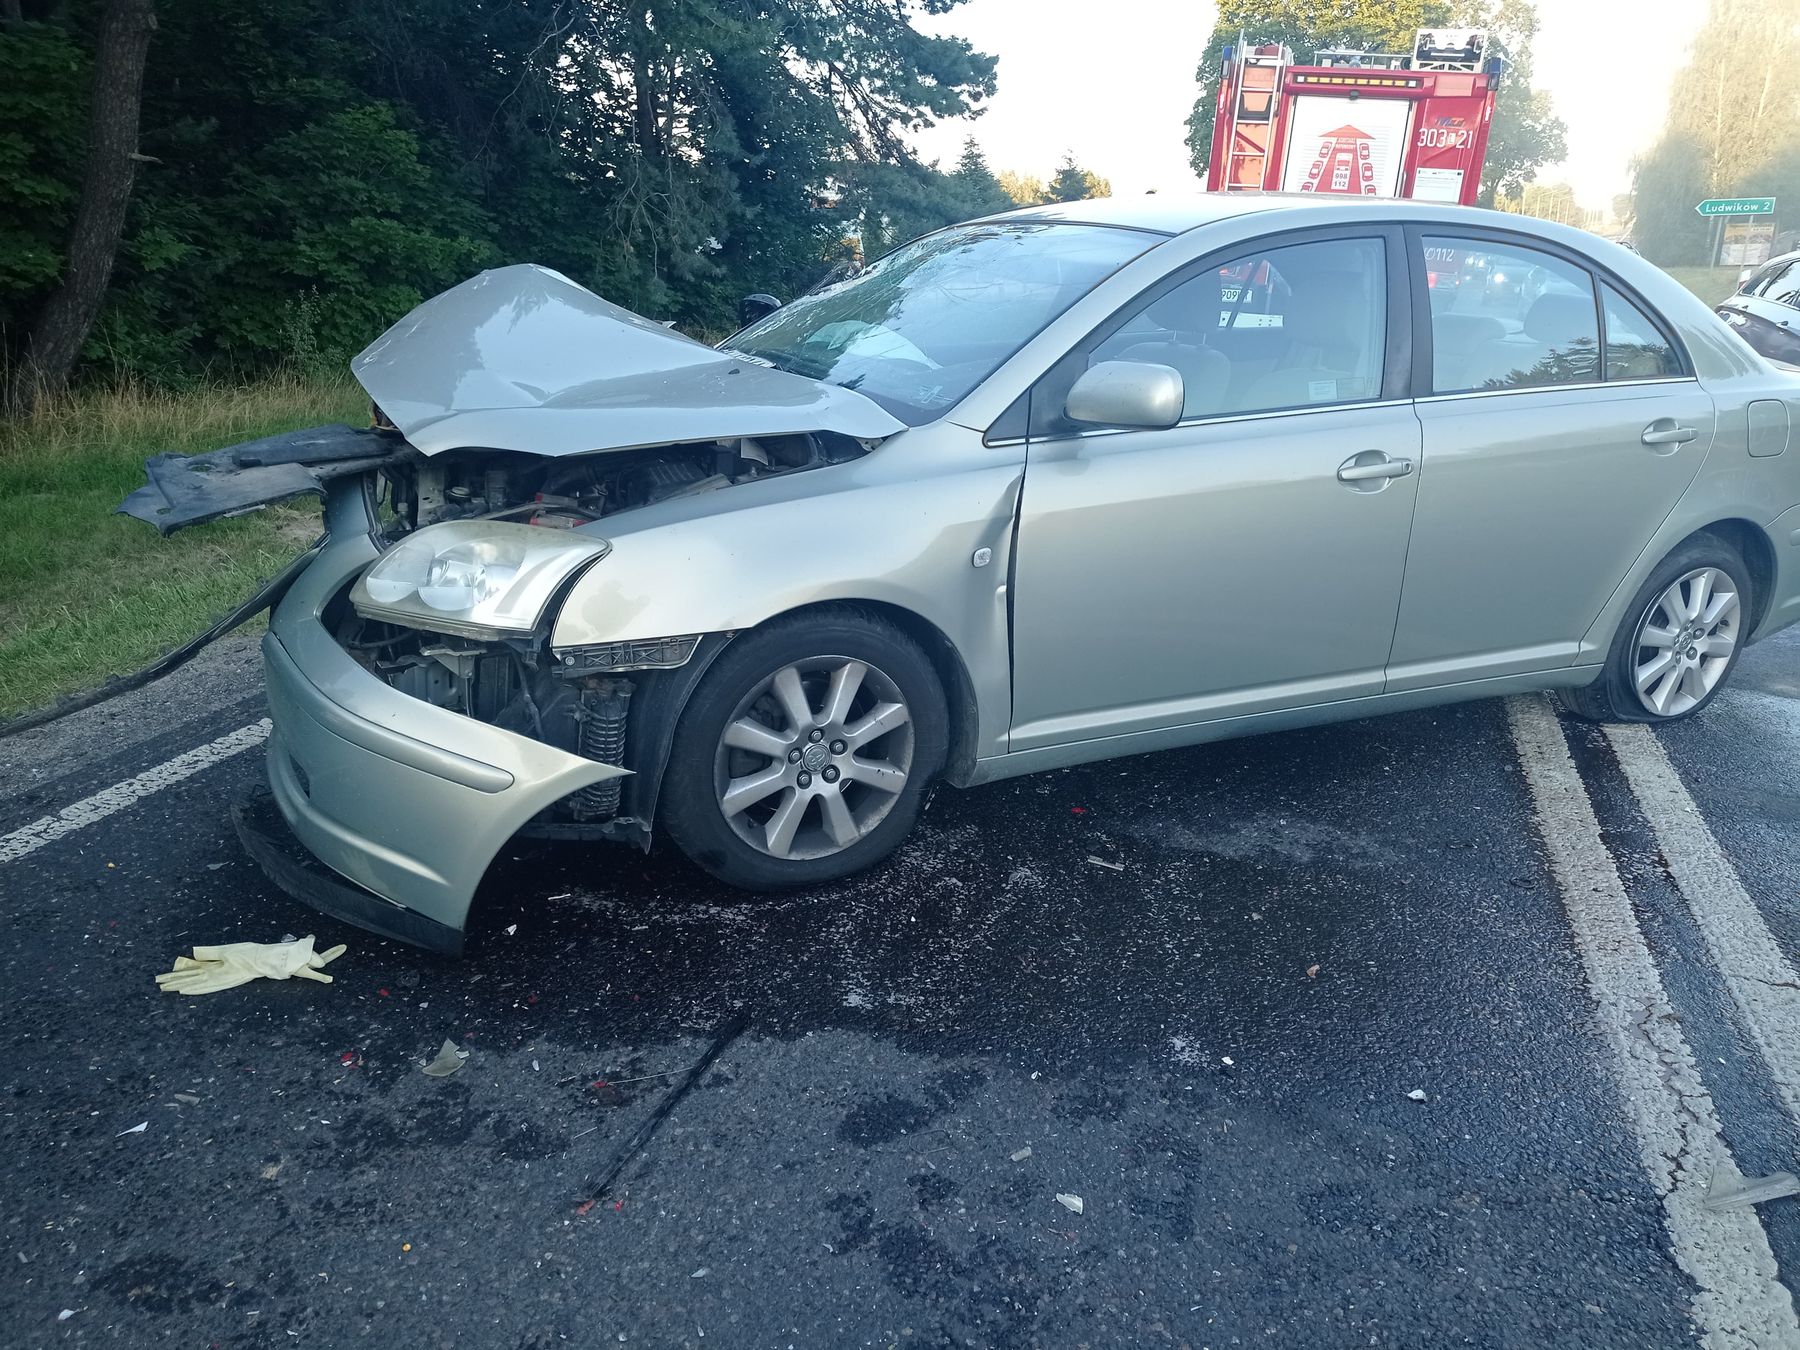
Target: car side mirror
<point x="754" y="307"/>
<point x="1138" y="394"/>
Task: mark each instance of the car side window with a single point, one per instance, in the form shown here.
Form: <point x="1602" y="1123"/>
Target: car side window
<point x="1636" y="348"/>
<point x="1784" y="287"/>
<point x="1508" y="317"/>
<point x="1761" y="277"/>
<point x="1293" y="327"/>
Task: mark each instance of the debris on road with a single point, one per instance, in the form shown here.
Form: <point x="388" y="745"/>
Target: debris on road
<point x="511" y="929"/>
<point x="1750" y="1190"/>
<point x="1417" y="1095"/>
<point x="65" y="1314"/>
<point x="187" y="1099"/>
<point x="701" y="1273"/>
<point x="1022" y="1154"/>
<point x="138" y="1128"/>
<point x="1072" y="1203"/>
<point x="1312" y="972"/>
<point x="211" y="969"/>
<point x="1102" y="862"/>
<point x="449" y="1060"/>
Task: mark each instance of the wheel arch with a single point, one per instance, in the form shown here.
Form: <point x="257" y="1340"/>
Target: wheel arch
<point x="670" y="692"/>
<point x="952" y="672"/>
<point x="1754" y="546"/>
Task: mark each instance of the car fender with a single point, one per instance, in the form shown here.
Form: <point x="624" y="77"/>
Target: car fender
<point x="923" y="524"/>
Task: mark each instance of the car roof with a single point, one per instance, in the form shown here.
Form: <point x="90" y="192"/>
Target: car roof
<point x="1177" y="213"/>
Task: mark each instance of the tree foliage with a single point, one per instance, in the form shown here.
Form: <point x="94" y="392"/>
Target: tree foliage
<point x="315" y="167"/>
<point x="1525" y="131"/>
<point x="1073" y="183"/>
<point x="1733" y="127"/>
<point x="1022" y="188"/>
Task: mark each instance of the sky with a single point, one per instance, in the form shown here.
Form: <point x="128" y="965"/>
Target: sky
<point x="1113" y="82"/>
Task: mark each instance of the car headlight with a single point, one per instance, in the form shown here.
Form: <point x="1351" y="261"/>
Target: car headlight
<point x="475" y="578"/>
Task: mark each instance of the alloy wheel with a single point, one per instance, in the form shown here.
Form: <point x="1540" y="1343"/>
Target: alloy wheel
<point x="814" y="757"/>
<point x="1685" y="642"/>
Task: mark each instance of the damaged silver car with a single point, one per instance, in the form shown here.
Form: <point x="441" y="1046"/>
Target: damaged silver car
<point x="1056" y="486"/>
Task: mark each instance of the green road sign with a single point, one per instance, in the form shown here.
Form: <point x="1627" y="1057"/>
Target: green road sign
<point x="1737" y="206"/>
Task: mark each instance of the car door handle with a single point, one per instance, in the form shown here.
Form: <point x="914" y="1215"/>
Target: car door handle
<point x="1350" y="471"/>
<point x="1666" y="431"/>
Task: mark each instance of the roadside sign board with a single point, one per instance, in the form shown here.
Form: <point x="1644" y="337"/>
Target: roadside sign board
<point x="1746" y="241"/>
<point x="1737" y="206"/>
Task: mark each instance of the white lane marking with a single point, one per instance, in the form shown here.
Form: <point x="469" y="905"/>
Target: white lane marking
<point x="28" y="839"/>
<point x="1741" y="1301"/>
<point x="1761" y="980"/>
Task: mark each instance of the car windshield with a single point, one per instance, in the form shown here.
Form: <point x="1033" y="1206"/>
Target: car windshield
<point x="921" y="327"/>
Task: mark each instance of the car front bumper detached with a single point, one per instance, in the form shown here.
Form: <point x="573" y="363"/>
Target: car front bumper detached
<point x="406" y="801"/>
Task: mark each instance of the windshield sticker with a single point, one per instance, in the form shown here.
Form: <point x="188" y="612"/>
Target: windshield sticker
<point x="1321" y="391"/>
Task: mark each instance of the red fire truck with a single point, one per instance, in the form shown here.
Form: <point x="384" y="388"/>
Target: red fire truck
<point x="1370" y="124"/>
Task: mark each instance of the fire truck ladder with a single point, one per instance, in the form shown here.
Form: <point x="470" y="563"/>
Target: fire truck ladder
<point x="1252" y="115"/>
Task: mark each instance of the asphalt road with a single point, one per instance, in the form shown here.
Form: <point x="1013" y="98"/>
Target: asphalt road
<point x="1199" y="987"/>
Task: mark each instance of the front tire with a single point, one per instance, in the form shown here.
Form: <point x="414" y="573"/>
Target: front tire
<point x="1680" y="641"/>
<point x="807" y="751"/>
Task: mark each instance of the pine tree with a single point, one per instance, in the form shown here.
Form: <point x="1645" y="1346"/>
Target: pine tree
<point x="1073" y="183"/>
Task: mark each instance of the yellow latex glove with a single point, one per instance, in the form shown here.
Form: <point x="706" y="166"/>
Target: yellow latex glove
<point x="211" y="969"/>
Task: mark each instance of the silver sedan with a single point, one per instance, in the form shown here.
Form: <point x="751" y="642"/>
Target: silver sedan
<point x="1070" y="483"/>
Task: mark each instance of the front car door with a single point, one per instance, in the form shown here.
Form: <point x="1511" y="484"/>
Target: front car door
<point x="1561" y="427"/>
<point x="1249" y="558"/>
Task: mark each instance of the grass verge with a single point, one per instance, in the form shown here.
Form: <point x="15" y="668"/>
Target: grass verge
<point x="86" y="594"/>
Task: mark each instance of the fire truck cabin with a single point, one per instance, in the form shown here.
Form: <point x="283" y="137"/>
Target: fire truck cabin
<point x="1357" y="123"/>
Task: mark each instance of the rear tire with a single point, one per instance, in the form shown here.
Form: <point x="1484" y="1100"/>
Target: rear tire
<point x="1679" y="642"/>
<point x="807" y="751"/>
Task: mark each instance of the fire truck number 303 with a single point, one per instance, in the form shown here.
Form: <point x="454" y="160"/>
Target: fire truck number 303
<point x="1445" y="138"/>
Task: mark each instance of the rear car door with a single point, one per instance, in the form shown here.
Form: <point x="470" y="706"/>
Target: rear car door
<point x="1249" y="558"/>
<point x="1561" y="426"/>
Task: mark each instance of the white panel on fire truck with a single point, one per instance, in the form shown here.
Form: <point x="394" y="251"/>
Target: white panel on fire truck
<point x="1437" y="185"/>
<point x="1349" y="147"/>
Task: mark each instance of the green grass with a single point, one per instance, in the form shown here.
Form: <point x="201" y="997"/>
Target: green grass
<point x="86" y="594"/>
<point x="1711" y="284"/>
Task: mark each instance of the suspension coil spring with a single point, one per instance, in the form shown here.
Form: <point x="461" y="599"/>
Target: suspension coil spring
<point x="604" y="705"/>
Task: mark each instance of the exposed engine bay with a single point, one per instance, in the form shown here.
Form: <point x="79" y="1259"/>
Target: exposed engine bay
<point x="576" y="490"/>
<point x="518" y="686"/>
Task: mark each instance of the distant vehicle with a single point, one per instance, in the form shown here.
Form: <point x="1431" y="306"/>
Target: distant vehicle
<point x="1765" y="311"/>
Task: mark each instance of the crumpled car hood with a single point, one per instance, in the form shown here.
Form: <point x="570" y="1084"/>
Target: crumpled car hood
<point x="522" y="358"/>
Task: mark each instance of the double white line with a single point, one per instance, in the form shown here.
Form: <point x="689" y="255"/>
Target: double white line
<point x="1741" y="1301"/>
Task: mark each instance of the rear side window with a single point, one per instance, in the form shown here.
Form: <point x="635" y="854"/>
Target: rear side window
<point x="1761" y="277"/>
<point x="1508" y="317"/>
<point x="1636" y="348"/>
<point x="1784" y="287"/>
<point x="1294" y="327"/>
